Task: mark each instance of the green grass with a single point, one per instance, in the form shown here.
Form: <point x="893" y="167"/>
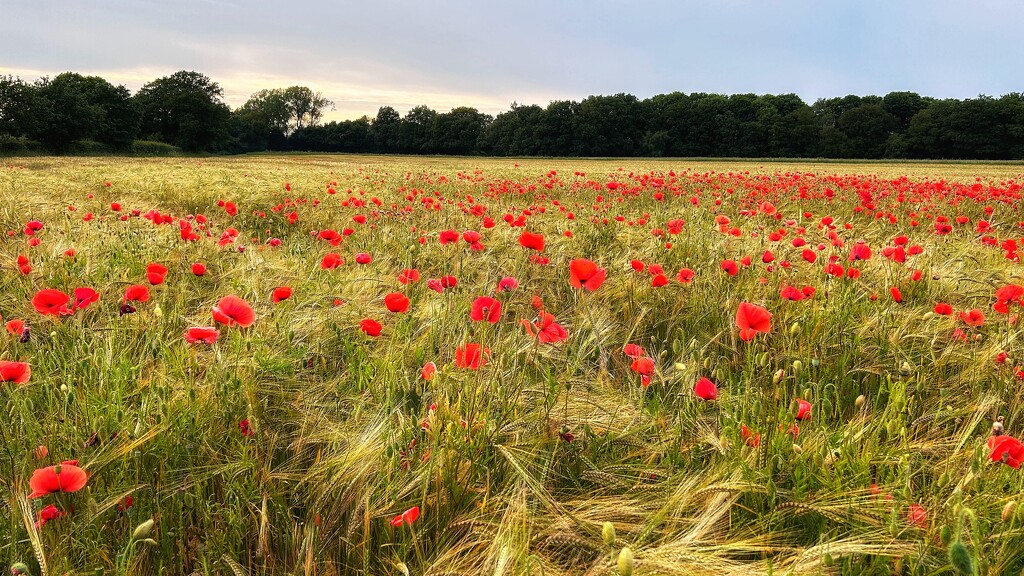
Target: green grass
<point x="343" y="437"/>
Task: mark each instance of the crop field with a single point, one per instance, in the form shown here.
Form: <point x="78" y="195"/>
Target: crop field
<point x="334" y="365"/>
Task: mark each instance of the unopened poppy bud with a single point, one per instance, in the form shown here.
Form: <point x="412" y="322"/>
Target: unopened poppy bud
<point x="64" y="388"/>
<point x="946" y="534"/>
<point x="960" y="558"/>
<point x="797" y="449"/>
<point x="815" y="362"/>
<point x="707" y="363"/>
<point x="1008" y="510"/>
<point x="626" y="562"/>
<point x="779" y="375"/>
<point x="608" y="533"/>
<point x="794" y="329"/>
<point x="693" y="344"/>
<point x="906" y="369"/>
<point x="859" y="402"/>
<point x="763" y="361"/>
<point x="19" y="569"/>
<point x="797" y="366"/>
<point x="143" y="530"/>
<point x="150" y="542"/>
<point x="53" y="334"/>
<point x="680" y="366"/>
<point x="158" y="311"/>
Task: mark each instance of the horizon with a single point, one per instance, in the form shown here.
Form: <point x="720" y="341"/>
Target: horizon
<point x="403" y="54"/>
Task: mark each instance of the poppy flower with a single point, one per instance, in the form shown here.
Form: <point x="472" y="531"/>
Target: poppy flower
<point x="17" y="372"/>
<point x="233" y="311"/>
<point x="370" y="327"/>
<point x="803" y="410"/>
<point x="471" y="356"/>
<point x="586" y="274"/>
<point x="730" y="267"/>
<point x="705" y="389"/>
<point x="1007" y="450"/>
<point x="917" y="515"/>
<point x="751" y="319"/>
<point x="363" y="258"/>
<point x="16" y="327"/>
<point x="407" y="517"/>
<point x="637" y="265"/>
<point x="136" y="293"/>
<point x="85" y="296"/>
<point x="658" y="281"/>
<point x="750" y="437"/>
<point x="485" y="308"/>
<point x="643" y="366"/>
<point x="943" y="309"/>
<point x="281" y="293"/>
<point x="49" y="512"/>
<point x="207" y="334"/>
<point x="331" y="261"/>
<point x="685" y="276"/>
<point x="50" y="302"/>
<point x="64" y="477"/>
<point x="155" y="273"/>
<point x="199" y="269"/>
<point x="245" y="428"/>
<point x="397" y="302"/>
<point x="546" y="329"/>
<point x="507" y="284"/>
<point x="428" y="371"/>
<point x="633" y="350"/>
<point x="897" y="296"/>
<point x="409" y="276"/>
<point x="973" y="317"/>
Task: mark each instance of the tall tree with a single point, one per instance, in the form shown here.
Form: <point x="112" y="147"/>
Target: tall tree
<point x="184" y="109"/>
<point x="386" y="129"/>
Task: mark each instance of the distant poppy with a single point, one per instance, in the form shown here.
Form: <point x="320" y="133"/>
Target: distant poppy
<point x="633" y="350"/>
<point x="64" y="477"/>
<point x="281" y="293"/>
<point x="730" y="267"/>
<point x="803" y="410"/>
<point x="749" y="436"/>
<point x="685" y="276"/>
<point x="206" y="334"/>
<point x="407" y="517"/>
<point x="370" y="327"/>
<point x="46" y="514"/>
<point x="51" y="302"/>
<point x="246" y="428"/>
<point x="363" y="258"/>
<point x="199" y="269"/>
<point x="17" y="372"/>
<point x="409" y="276"/>
<point x="644" y="366"/>
<point x="485" y="308"/>
<point x="233" y="311"/>
<point x="136" y="293"/>
<point x="586" y="274"/>
<point x="331" y="261"/>
<point x="917" y="515"/>
<point x="705" y="389"/>
<point x="16" y="327"/>
<point x="545" y="329"/>
<point x="155" y="273"/>
<point x="943" y="309"/>
<point x="428" y="371"/>
<point x="507" y="284"/>
<point x="396" y="302"/>
<point x="751" y="319"/>
<point x="973" y="317"/>
<point x="659" y="280"/>
<point x="897" y="296"/>
<point x="471" y="356"/>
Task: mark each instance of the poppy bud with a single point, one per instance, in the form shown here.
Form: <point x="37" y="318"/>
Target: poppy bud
<point x="150" y="542"/>
<point x="906" y="369"/>
<point x="679" y="366"/>
<point x="1008" y="510"/>
<point x="158" y="311"/>
<point x="19" y="569"/>
<point x="960" y="558"/>
<point x="707" y="363"/>
<point x="797" y="449"/>
<point x="815" y="362"/>
<point x="763" y="360"/>
<point x="859" y="402"/>
<point x="794" y="329"/>
<point x="827" y="560"/>
<point x="779" y="375"/>
<point x="946" y="534"/>
<point x="608" y="533"/>
<point x="143" y="530"/>
<point x="64" y="388"/>
<point x="626" y="562"/>
<point x="797" y="366"/>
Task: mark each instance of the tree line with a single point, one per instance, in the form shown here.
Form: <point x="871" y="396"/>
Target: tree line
<point x="186" y="112"/>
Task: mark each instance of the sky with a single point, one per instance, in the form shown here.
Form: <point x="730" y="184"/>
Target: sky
<point x="490" y="53"/>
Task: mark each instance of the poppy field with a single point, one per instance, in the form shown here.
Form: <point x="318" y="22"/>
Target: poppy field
<point x="328" y="365"/>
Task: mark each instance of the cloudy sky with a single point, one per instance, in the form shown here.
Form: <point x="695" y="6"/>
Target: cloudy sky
<point x="489" y="53"/>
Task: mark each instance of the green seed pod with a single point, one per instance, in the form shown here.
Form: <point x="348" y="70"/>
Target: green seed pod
<point x="608" y="533"/>
<point x="827" y="560"/>
<point x="626" y="562"/>
<point x="693" y="344"/>
<point x="143" y="530"/>
<point x="150" y="542"/>
<point x="960" y="558"/>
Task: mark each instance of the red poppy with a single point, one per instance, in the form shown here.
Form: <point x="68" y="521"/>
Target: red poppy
<point x="363" y="258"/>
<point x="471" y="356"/>
<point x="17" y="372"/>
<point x="705" y="389"/>
<point x="803" y="410"/>
<point x="633" y="350"/>
<point x="64" y="477"/>
<point x="199" y="269"/>
<point x="730" y="267"/>
<point x="1007" y="450"/>
<point x="136" y="293"/>
<point x="658" y="281"/>
<point x="396" y="302"/>
<point x="507" y="284"/>
<point x="410" y="515"/>
<point x="85" y="296"/>
<point x="155" y="273"/>
<point x="485" y="308"/>
<point x="943" y="309"/>
<point x="246" y="428"/>
<point x="16" y="327"/>
<point x="428" y="371"/>
<point x="546" y="329"/>
<point x="409" y="276"/>
<point x="281" y="293"/>
<point x="751" y="319"/>
<point x="49" y="512"/>
<point x="643" y="366"/>
<point x="973" y="317"/>
<point x="331" y="261"/>
<point x="917" y="515"/>
<point x="233" y="311"/>
<point x="685" y="276"/>
<point x="586" y="274"/>
<point x="51" y="302"/>
<point x="897" y="296"/>
<point x="370" y="327"/>
<point x="532" y="241"/>
<point x="750" y="437"/>
<point x="207" y="334"/>
<point x="448" y="236"/>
